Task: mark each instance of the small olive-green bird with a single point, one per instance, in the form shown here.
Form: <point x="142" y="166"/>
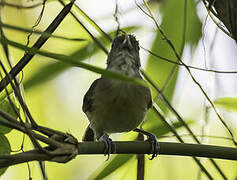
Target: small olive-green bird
<point x="115" y="106"/>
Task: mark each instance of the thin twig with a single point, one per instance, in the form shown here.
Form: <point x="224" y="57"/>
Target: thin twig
<point x="204" y="170"/>
<point x="25" y="108"/>
<point x="210" y="12"/>
<point x="36" y="23"/>
<point x="38" y="44"/>
<point x="140" y="161"/>
<point x="19" y="97"/>
<point x="191" y="75"/>
<point x="91" y="35"/>
<point x="93" y="23"/>
<point x="116" y="18"/>
<point x="172" y="109"/>
<point x="197" y="135"/>
<point x="191" y="67"/>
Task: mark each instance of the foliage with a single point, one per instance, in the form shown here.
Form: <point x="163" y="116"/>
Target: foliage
<point x="227" y="103"/>
<point x="7" y="107"/>
<point x="79" y="39"/>
<point x="4" y="149"/>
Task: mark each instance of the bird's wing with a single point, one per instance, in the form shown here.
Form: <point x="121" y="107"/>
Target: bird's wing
<point x="88" y="135"/>
<point x="148" y="93"/>
<point x="88" y="98"/>
<point x="149" y="99"/>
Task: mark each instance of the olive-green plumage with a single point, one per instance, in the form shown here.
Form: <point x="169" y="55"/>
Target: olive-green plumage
<point x="114" y="106"/>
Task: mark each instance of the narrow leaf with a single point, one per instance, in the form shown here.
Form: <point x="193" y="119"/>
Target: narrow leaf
<point x="120" y="160"/>
<point x="44" y="34"/>
<point x="68" y="60"/>
<point x="111" y="166"/>
<point x="6" y="106"/>
<point x="5" y="148"/>
<point x="50" y="71"/>
<point x="227" y="103"/>
<point x="172" y="25"/>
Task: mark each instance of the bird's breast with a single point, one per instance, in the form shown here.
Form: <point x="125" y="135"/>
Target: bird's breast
<point x="119" y="106"/>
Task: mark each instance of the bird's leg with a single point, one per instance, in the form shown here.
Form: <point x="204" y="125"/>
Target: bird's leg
<point x="109" y="145"/>
<point x="155" y="146"/>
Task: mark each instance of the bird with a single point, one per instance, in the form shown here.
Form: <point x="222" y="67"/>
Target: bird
<point x="116" y="106"/>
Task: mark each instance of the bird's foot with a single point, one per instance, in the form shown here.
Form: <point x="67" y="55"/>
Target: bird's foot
<point x="155" y="145"/>
<point x="109" y="145"/>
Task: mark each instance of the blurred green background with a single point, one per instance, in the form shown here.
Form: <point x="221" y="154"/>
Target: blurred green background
<point x="54" y="91"/>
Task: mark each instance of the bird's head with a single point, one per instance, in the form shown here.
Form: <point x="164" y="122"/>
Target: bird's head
<point x="124" y="52"/>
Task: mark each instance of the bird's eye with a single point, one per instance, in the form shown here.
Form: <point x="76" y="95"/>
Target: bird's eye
<point x="118" y="40"/>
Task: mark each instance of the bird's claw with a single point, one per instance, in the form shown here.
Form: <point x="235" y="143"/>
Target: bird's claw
<point x="109" y="145"/>
<point x="155" y="145"/>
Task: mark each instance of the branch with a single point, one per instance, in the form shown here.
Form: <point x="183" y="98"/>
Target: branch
<point x="171" y="45"/>
<point x="69" y="151"/>
<point x="38" y="44"/>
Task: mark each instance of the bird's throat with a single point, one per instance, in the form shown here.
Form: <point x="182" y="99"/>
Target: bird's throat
<point x="124" y="64"/>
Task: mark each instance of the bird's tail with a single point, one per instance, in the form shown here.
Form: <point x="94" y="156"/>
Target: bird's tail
<point x="89" y="135"/>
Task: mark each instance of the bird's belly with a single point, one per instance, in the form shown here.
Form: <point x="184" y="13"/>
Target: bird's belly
<point x="118" y="119"/>
<point x="122" y="120"/>
<point x="120" y="113"/>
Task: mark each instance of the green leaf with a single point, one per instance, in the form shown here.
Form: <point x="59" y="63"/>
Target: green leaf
<point x="43" y="34"/>
<point x="71" y="61"/>
<point x="5" y="148"/>
<point x="162" y="130"/>
<point x="4" y="94"/>
<point x="227" y="103"/>
<point x="111" y="166"/>
<point x="120" y="160"/>
<point x="172" y="25"/>
<point x="194" y="25"/>
<point x="6" y="106"/>
<point x="50" y="71"/>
